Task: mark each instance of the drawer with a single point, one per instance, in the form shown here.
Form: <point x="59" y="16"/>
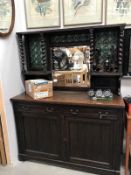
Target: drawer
<point x="36" y="108"/>
<point x="67" y="110"/>
<point x="91" y="112"/>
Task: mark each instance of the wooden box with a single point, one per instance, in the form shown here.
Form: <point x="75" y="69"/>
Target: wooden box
<point x="71" y="78"/>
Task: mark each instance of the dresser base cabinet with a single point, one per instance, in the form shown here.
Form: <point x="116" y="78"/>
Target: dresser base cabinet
<point x="78" y="135"/>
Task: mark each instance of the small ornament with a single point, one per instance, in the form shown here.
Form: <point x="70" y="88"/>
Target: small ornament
<point x="99" y="93"/>
<point x="91" y="93"/>
<point x="107" y="93"/>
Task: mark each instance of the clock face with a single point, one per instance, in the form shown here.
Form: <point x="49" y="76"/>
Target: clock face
<point x="91" y="93"/>
<point x="107" y="93"/>
<point x="99" y="93"/>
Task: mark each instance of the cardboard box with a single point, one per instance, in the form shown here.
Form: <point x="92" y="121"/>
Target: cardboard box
<point x="39" y="88"/>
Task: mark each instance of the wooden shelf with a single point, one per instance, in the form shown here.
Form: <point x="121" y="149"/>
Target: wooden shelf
<point x="108" y="74"/>
<point x="37" y="73"/>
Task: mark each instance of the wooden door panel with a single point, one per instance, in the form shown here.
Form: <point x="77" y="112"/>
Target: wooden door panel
<point x="41" y="135"/>
<point x="91" y="142"/>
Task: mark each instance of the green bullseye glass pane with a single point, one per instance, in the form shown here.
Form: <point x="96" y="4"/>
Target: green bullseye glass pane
<point x="37" y="54"/>
<point x="70" y="38"/>
<point x="106" y="46"/>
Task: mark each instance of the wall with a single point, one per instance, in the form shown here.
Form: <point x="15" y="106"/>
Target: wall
<point x="10" y="76"/>
<point x="126" y="86"/>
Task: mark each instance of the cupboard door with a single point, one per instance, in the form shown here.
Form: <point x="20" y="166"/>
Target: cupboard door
<point x="39" y="135"/>
<point x="93" y="142"/>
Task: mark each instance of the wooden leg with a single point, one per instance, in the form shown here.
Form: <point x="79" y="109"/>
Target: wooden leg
<point x="127" y="153"/>
<point x="2" y="147"/>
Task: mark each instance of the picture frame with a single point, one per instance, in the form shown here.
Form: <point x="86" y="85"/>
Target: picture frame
<point x="7" y="17"/>
<point x="118" y="12"/>
<point x="73" y="12"/>
<point x="41" y="13"/>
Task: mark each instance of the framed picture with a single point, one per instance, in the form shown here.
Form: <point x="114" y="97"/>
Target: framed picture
<point x="118" y="11"/>
<point x="7" y="17"/>
<point x="42" y="13"/>
<point x="73" y="12"/>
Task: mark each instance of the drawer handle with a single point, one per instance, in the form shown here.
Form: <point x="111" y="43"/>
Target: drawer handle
<point x="74" y="111"/>
<point x="24" y="107"/>
<point x="48" y="109"/>
<point x="105" y="114"/>
<point x="100" y="115"/>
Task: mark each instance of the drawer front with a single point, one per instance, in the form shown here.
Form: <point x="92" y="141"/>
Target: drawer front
<point x="91" y="112"/>
<point x="68" y="110"/>
<point x="36" y="108"/>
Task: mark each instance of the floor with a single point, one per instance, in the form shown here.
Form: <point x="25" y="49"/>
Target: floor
<point x="30" y="168"/>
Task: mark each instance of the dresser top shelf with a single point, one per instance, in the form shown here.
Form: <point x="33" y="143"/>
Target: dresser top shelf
<point x="73" y="98"/>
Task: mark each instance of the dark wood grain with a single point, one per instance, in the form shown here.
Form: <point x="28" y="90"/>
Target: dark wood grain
<point x="74" y="28"/>
<point x="127" y="37"/>
<point x="69" y="129"/>
<point x="73" y="97"/>
<point x="43" y="41"/>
